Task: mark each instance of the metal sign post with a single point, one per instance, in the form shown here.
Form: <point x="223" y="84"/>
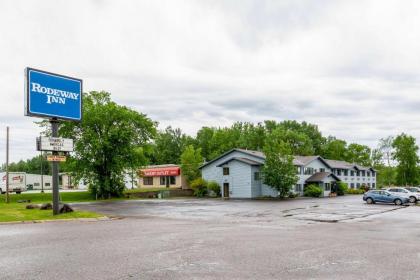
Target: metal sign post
<point x="7" y="165"/>
<point x="56" y="196"/>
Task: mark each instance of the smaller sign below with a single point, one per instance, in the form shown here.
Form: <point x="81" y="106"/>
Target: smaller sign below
<point x="54" y="144"/>
<point x="56" y="158"/>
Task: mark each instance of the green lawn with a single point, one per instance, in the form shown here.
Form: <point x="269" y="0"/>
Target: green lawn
<point x="17" y="212"/>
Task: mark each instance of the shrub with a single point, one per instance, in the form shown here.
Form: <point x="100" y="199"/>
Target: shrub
<point x="355" y="191"/>
<point x="342" y="188"/>
<point x="214" y="187"/>
<point x="292" y="195"/>
<point x="364" y="188"/>
<point x="313" y="191"/>
<point x="199" y="186"/>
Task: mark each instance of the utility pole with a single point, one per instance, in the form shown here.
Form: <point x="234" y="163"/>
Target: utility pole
<point x="7" y="165"/>
<point x="56" y="196"/>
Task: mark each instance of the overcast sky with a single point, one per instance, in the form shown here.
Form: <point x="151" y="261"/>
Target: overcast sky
<point x="351" y="67"/>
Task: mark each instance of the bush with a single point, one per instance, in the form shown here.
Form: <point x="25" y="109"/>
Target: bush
<point x="292" y="195"/>
<point x="355" y="191"/>
<point x="342" y="188"/>
<point x="199" y="186"/>
<point x="364" y="188"/>
<point x="312" y="191"/>
<point x="214" y="187"/>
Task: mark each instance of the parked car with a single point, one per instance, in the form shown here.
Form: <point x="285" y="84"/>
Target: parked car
<point x="384" y="196"/>
<point x="412" y="196"/>
<point x="413" y="189"/>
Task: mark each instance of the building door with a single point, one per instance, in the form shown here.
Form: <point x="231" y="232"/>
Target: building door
<point x="226" y="190"/>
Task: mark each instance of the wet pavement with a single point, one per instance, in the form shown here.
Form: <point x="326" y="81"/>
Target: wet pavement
<point x="329" y="238"/>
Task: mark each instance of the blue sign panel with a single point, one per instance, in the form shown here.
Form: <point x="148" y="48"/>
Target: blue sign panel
<point x="51" y="95"/>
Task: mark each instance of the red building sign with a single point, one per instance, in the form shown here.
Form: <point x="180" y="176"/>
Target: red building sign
<point x="167" y="171"/>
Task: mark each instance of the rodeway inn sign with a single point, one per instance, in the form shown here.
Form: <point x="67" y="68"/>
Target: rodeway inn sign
<point x="51" y="95"/>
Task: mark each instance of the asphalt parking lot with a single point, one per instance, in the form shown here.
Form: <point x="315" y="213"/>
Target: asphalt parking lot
<point x="328" y="238"/>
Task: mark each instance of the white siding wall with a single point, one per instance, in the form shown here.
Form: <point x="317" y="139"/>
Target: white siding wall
<point x="315" y="164"/>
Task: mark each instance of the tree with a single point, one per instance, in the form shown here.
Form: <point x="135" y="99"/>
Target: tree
<point x="334" y="149"/>
<point x="191" y="160"/>
<point x="385" y="146"/>
<point x="359" y="154"/>
<point x="107" y="142"/>
<point x="405" y="154"/>
<point x="278" y="170"/>
<point x="169" y="145"/>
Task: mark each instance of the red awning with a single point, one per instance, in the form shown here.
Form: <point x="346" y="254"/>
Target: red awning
<point x="167" y="171"/>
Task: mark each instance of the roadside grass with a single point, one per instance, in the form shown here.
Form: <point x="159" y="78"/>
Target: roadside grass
<point x="145" y="190"/>
<point x="14" y="212"/>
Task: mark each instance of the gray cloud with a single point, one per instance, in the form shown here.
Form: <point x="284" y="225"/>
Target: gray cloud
<point x="349" y="66"/>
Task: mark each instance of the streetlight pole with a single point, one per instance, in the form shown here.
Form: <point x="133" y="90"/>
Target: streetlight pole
<point x="42" y="174"/>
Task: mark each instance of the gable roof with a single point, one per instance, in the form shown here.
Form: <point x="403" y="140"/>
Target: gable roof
<point x="249" y="152"/>
<point x="241" y="159"/>
<point x="320" y="176"/>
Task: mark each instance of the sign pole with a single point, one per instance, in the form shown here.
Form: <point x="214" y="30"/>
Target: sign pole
<point x="7" y="165"/>
<point x="42" y="174"/>
<point x="54" y="127"/>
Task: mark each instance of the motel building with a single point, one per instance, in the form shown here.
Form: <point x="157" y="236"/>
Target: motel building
<point x="162" y="176"/>
<point x="238" y="172"/>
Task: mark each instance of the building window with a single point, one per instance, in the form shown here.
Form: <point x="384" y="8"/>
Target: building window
<point x="225" y="170"/>
<point x="162" y="180"/>
<point x="339" y="172"/>
<point x="346" y="172"/>
<point x="172" y="180"/>
<point x="357" y="173"/>
<point x="352" y="173"/>
<point x="298" y="188"/>
<point x="322" y="170"/>
<point x="327" y="186"/>
<point x="358" y="185"/>
<point x="257" y="176"/>
<point x="36" y="184"/>
<point x="373" y="185"/>
<point x="47" y="184"/>
<point x="147" y="181"/>
<point x="298" y="170"/>
<point x="363" y="173"/>
<point x="308" y="171"/>
<point x="368" y="174"/>
<point x="352" y="185"/>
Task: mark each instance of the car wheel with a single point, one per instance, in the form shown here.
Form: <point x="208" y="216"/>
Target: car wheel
<point x="398" y="201"/>
<point x="413" y="199"/>
<point x="369" y="200"/>
<point x="17" y="192"/>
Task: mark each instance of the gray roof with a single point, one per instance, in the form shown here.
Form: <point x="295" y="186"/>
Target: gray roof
<point x="297" y="160"/>
<point x="345" y="165"/>
<point x="241" y="159"/>
<point x="320" y="176"/>
<point x="160" y="166"/>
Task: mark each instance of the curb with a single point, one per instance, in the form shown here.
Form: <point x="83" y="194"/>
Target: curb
<point x="104" y="218"/>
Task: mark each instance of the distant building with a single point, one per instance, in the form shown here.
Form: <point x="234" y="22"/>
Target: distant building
<point x="162" y="176"/>
<point x="238" y="174"/>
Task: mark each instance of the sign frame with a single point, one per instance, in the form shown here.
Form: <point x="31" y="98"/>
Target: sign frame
<point x="50" y="116"/>
<point x="67" y="141"/>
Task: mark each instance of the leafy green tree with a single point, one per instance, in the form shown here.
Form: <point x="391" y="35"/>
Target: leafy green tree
<point x="334" y="149"/>
<point x="405" y="153"/>
<point x="32" y="166"/>
<point x="107" y="142"/>
<point x="169" y="145"/>
<point x="278" y="171"/>
<point x="359" y="154"/>
<point x="191" y="160"/>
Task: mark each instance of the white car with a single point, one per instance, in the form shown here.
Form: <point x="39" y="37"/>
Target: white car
<point x="412" y="196"/>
